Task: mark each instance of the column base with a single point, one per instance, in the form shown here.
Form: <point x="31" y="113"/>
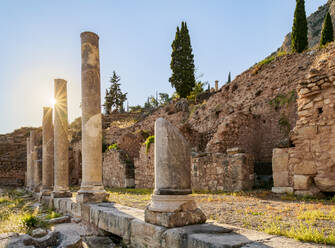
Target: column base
<point x="61" y="194"/>
<point x="92" y="196"/>
<point x="173" y="211"/>
<point x="46" y="192"/>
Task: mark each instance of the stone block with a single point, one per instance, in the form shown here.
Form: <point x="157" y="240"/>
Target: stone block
<point x="177" y="237"/>
<point x="146" y="235"/>
<point x="305" y="168"/>
<point x="281" y="179"/>
<point x="325" y="182"/>
<point x="282" y="190"/>
<point x="85" y="212"/>
<point x="280" y="160"/>
<point x="302" y="182"/>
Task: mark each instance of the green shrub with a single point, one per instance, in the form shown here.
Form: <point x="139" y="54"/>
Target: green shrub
<point x="113" y="146"/>
<point x="53" y="215"/>
<point x="30" y="221"/>
<point x="150" y="139"/>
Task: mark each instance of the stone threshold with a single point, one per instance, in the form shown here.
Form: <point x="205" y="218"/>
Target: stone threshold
<point x="128" y="223"/>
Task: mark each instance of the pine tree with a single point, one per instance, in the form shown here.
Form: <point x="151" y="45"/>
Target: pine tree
<point x="299" y="29"/>
<point x="182" y="62"/>
<point x="114" y="96"/>
<point x="327" y="33"/>
<point x="229" y="78"/>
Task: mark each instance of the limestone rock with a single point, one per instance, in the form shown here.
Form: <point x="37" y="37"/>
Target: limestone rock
<point x="39" y="232"/>
<point x="62" y="219"/>
<point x="181" y="105"/>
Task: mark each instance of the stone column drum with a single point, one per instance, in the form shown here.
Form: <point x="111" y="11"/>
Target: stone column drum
<point x="171" y="205"/>
<point x="91" y="187"/>
<point x="61" y="143"/>
<point x="48" y="152"/>
<point x="28" y="164"/>
<point x="31" y="146"/>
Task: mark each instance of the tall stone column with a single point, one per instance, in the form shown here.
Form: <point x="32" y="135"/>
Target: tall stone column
<point x="31" y="146"/>
<point x="61" y="143"/>
<point x="91" y="187"/>
<point x="47" y="152"/>
<point x="28" y="164"/>
<point x="37" y="170"/>
<point x="171" y="205"/>
<point x="216" y="85"/>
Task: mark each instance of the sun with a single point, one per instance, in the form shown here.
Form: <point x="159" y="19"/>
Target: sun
<point x="53" y="101"/>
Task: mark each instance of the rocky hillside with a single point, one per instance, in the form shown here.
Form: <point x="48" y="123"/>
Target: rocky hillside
<point x="256" y="111"/>
<point x="314" y="22"/>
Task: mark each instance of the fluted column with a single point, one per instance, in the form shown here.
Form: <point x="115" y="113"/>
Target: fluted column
<point x="31" y="146"/>
<point x="28" y="182"/>
<point x="37" y="170"/>
<point x="47" y="152"/>
<point x="91" y="187"/>
<point x="61" y="143"/>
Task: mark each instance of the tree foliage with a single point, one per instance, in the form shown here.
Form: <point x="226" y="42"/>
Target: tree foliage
<point x="114" y="97"/>
<point x="299" y="29"/>
<point x="229" y="78"/>
<point x="182" y="62"/>
<point x="327" y="33"/>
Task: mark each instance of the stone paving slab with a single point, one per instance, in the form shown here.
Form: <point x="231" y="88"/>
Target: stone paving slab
<point x="128" y="223"/>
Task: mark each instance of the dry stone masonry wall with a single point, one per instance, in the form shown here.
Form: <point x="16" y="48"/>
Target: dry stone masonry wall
<point x="309" y="167"/>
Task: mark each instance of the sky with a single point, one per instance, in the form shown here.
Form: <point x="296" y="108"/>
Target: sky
<point x="40" y="41"/>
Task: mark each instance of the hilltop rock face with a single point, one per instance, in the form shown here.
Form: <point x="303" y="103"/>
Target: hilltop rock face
<point x="314" y="22"/>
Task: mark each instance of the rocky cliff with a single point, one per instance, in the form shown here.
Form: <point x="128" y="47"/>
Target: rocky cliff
<point x="314" y="22"/>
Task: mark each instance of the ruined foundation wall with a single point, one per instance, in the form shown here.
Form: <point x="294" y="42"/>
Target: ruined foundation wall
<point x="117" y="171"/>
<point x="144" y="168"/>
<point x="309" y="167"/>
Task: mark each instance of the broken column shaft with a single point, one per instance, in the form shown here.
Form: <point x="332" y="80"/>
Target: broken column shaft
<point x="91" y="186"/>
<point x="48" y="152"/>
<point x="171" y="205"/>
<point x="61" y="143"/>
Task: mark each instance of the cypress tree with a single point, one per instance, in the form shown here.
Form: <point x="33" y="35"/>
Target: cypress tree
<point x="299" y="29"/>
<point x="182" y="62"/>
<point x="327" y="33"/>
<point x="229" y="78"/>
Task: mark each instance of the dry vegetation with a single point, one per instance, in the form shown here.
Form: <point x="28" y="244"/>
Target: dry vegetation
<point x="305" y="219"/>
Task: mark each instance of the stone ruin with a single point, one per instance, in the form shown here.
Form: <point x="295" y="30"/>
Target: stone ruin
<point x="309" y="167"/>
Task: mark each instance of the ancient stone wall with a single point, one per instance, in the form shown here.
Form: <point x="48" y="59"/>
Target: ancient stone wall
<point x="13" y="156"/>
<point x="118" y="170"/>
<point x="309" y="167"/>
<point x="231" y="171"/>
<point x="144" y="168"/>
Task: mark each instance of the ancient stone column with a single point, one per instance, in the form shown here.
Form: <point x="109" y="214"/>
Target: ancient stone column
<point x="47" y="152"/>
<point x="37" y="170"/>
<point x="216" y="85"/>
<point x="28" y="164"/>
<point x="91" y="186"/>
<point x="171" y="205"/>
<point x="31" y="146"/>
<point x="61" y="143"/>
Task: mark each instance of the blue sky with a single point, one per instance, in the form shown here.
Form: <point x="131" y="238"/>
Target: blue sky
<point x="40" y="41"/>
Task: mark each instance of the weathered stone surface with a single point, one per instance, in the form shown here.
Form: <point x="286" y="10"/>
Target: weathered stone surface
<point x="172" y="160"/>
<point x="59" y="220"/>
<point x="302" y="182"/>
<point x="61" y="143"/>
<point x="91" y="188"/>
<point x="145" y="234"/>
<point x="48" y="152"/>
<point x="280" y="160"/>
<point x="282" y="190"/>
<point x="281" y="179"/>
<point x="39" y="232"/>
<point x="98" y="242"/>
<point x="170" y="206"/>
<point x="305" y="168"/>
